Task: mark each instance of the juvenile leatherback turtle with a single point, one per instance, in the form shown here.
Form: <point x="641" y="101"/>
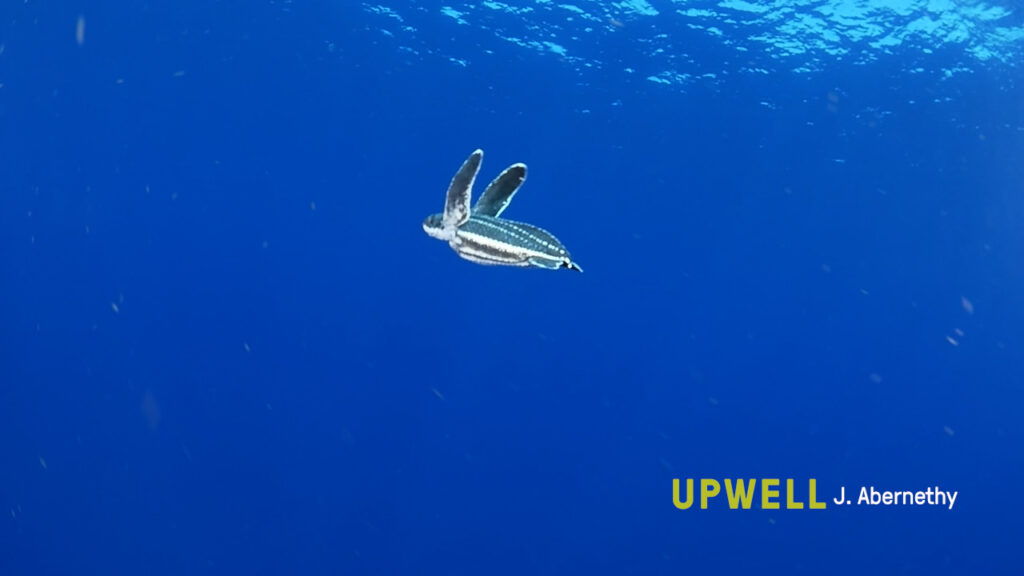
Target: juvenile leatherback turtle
<point x="483" y="237"/>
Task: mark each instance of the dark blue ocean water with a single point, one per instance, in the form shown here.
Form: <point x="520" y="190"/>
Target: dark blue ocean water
<point x="227" y="346"/>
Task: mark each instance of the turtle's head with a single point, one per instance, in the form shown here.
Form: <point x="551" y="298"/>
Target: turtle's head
<point x="434" y="227"/>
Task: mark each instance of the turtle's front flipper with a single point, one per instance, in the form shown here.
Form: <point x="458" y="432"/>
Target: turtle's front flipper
<point x="500" y="191"/>
<point x="456" y="205"/>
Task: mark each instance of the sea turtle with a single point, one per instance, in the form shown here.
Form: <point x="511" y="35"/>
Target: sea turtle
<point x="483" y="237"/>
